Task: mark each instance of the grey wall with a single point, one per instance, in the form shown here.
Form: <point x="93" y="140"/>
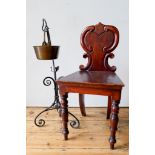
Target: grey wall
<point x="67" y="19"/>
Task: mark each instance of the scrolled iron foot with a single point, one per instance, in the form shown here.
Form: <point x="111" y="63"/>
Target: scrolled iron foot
<point x="74" y="123"/>
<point x="41" y="122"/>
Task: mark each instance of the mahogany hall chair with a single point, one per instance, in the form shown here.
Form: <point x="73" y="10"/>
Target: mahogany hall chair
<point x="97" y="77"/>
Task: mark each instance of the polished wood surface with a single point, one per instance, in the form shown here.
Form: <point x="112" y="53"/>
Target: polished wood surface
<point x="93" y="78"/>
<point x="91" y="138"/>
<point x="97" y="77"/>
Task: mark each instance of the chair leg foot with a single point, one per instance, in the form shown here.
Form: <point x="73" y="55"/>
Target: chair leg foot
<point x="108" y="117"/>
<point x="112" y="146"/>
<point x="83" y="114"/>
<point x="65" y="136"/>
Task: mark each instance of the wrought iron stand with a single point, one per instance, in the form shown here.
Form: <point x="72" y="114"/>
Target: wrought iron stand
<point x="56" y="103"/>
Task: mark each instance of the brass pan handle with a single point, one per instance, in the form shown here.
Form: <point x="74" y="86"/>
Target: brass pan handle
<point x="45" y="29"/>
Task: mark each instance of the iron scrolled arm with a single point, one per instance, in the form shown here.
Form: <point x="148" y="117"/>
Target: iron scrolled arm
<point x="47" y="81"/>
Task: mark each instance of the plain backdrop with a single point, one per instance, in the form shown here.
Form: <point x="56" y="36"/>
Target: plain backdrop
<point x="66" y="20"/>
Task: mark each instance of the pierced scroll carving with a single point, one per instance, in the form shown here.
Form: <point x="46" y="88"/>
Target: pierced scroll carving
<point x="99" y="41"/>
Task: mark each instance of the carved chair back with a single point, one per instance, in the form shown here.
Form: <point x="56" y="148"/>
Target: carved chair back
<point x="99" y="41"/>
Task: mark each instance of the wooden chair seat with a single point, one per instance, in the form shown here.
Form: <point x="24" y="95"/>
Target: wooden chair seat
<point x="97" y="77"/>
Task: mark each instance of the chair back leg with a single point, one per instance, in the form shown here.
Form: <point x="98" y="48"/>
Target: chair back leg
<point x="82" y="104"/>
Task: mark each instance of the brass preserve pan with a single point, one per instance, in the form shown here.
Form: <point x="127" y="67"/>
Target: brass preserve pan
<point x="46" y="52"/>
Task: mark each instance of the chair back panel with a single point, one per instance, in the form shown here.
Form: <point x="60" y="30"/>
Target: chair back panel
<point x="99" y="41"/>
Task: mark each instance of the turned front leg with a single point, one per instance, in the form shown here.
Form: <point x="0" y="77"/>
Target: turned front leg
<point x="64" y="115"/>
<point x="113" y="122"/>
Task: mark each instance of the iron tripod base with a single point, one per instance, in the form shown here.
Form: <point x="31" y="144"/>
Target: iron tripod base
<point x="56" y="104"/>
